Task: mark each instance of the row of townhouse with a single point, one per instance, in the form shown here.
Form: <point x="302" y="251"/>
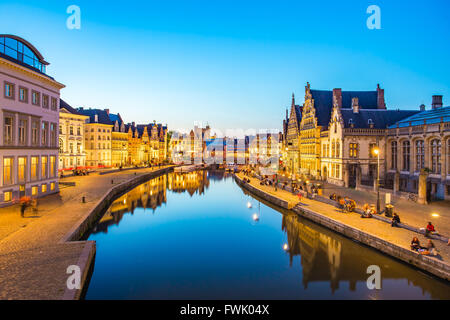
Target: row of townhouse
<point x="333" y="135"/>
<point x="41" y="134"/>
<point x="96" y="138"/>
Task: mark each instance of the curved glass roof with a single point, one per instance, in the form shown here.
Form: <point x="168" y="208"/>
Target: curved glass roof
<point x="22" y="51"/>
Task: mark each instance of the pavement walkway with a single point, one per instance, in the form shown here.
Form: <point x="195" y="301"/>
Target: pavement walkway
<point x="33" y="261"/>
<point x="399" y="236"/>
<point x="411" y="213"/>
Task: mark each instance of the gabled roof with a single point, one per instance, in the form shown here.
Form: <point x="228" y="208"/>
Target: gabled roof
<point x="103" y="117"/>
<point x="381" y="118"/>
<point x="66" y="106"/>
<point x="429" y="116"/>
<point x="323" y="103"/>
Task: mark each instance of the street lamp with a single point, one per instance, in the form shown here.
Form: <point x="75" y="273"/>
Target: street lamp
<point x="376" y="151"/>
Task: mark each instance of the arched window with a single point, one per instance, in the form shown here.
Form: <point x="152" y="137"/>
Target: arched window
<point x="406" y="155"/>
<point x="436" y="156"/>
<point x="420" y="155"/>
<point x="394" y="155"/>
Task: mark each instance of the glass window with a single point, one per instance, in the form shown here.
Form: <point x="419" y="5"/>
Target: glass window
<point x="353" y="150"/>
<point x="52" y="166"/>
<point x="35" y="133"/>
<point x="35" y="98"/>
<point x="7" y="196"/>
<point x="44" y="133"/>
<point x="8" y="131"/>
<point x="420" y="155"/>
<point x="22" y="132"/>
<point x="23" y="94"/>
<point x="406" y="155"/>
<point x="34" y="191"/>
<point x="34" y="168"/>
<point x="22" y="169"/>
<point x="436" y="156"/>
<point x="7" y="171"/>
<point x="9" y="90"/>
<point x="45" y="101"/>
<point x="44" y="171"/>
<point x="44" y="188"/>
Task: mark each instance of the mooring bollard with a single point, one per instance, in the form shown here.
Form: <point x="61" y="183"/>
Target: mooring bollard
<point x="83" y="199"/>
<point x="112" y="181"/>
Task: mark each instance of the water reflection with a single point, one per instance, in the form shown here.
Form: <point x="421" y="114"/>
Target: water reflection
<point x="225" y="254"/>
<point x="327" y="257"/>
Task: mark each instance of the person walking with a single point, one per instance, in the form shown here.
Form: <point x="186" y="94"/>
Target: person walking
<point x="23" y="206"/>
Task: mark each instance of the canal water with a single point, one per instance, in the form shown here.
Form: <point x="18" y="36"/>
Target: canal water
<point x="193" y="236"/>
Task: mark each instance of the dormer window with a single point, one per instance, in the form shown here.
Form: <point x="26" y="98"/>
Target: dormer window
<point x="370" y="122"/>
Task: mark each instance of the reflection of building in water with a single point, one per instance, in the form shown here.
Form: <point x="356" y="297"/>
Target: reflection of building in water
<point x="325" y="258"/>
<point x="192" y="182"/>
<point x="151" y="194"/>
<point x="314" y="247"/>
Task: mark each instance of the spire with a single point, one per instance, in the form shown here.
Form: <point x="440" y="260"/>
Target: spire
<point x="293" y="99"/>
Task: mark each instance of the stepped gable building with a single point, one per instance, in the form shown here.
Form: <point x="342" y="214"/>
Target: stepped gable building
<point x="29" y="118"/>
<point x="72" y="153"/>
<point x="336" y="134"/>
<point x="418" y="153"/>
<point x="119" y="141"/>
<point x="291" y="134"/>
<point x="98" y="130"/>
<point x="147" y="144"/>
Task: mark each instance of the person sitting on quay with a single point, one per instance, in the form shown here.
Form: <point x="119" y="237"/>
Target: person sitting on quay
<point x="415" y="244"/>
<point x="430" y="249"/>
<point x="341" y="202"/>
<point x="367" y="212"/>
<point x="333" y="197"/>
<point x="429" y="230"/>
<point x="395" y="220"/>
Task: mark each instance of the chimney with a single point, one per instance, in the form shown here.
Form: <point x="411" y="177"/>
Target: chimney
<point x="96" y="118"/>
<point x="381" y="104"/>
<point x="337" y="97"/>
<point x="133" y="124"/>
<point x="422" y="107"/>
<point x="107" y="111"/>
<point x="355" y="105"/>
<point x="437" y="102"/>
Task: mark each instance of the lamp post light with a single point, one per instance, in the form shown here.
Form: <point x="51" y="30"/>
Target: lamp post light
<point x="376" y="151"/>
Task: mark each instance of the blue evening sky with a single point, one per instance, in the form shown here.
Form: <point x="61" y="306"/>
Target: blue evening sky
<point x="234" y="63"/>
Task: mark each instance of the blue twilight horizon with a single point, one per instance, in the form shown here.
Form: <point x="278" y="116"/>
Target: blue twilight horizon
<point x="234" y="64"/>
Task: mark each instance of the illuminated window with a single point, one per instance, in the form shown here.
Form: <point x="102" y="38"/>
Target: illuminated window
<point x="52" y="186"/>
<point x="44" y="161"/>
<point x="22" y="169"/>
<point x="52" y="166"/>
<point x="34" y="191"/>
<point x="34" y="168"/>
<point x="44" y="188"/>
<point x="7" y="171"/>
<point x="7" y="196"/>
<point x="353" y="150"/>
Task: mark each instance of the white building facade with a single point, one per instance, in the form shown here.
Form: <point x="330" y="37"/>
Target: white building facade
<point x="29" y="118"/>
